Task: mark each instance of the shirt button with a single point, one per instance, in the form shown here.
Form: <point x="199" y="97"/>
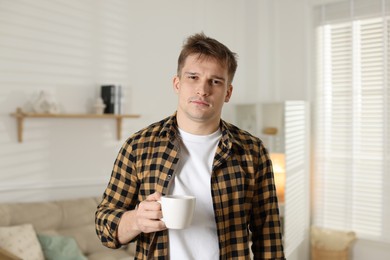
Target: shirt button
<point x="169" y="177"/>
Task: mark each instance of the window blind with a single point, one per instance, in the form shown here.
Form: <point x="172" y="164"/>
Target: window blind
<point x="352" y="127"/>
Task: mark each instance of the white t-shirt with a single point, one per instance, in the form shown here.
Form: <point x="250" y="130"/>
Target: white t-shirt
<point x="193" y="176"/>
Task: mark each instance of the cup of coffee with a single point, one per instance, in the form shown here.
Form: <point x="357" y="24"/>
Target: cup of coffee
<point x="177" y="210"/>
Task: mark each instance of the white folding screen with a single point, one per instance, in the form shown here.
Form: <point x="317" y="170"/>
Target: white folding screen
<point x="291" y="119"/>
<point x="296" y="128"/>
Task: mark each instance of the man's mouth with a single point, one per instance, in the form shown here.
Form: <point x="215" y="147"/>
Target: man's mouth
<point x="200" y="102"/>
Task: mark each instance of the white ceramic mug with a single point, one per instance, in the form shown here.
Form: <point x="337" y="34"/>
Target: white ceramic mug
<point x="177" y="210"/>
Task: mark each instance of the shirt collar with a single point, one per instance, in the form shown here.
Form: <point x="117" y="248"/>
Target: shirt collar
<point x="170" y="130"/>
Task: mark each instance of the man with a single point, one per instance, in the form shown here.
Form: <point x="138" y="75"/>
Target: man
<point x="194" y="152"/>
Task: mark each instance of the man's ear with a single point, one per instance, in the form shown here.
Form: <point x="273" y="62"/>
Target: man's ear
<point x="176" y="84"/>
<point x="229" y="93"/>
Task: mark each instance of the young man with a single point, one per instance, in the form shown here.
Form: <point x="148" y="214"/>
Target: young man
<point x="194" y="152"/>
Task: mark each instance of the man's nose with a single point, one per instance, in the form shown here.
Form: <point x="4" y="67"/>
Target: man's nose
<point x="203" y="88"/>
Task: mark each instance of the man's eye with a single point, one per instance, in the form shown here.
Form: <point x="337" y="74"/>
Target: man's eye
<point x="216" y="82"/>
<point x="192" y="77"/>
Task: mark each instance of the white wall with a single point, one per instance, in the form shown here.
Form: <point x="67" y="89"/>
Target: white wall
<point x="70" y="48"/>
<point x="291" y="55"/>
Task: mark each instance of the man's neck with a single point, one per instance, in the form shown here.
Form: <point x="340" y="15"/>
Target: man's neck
<point x="197" y="127"/>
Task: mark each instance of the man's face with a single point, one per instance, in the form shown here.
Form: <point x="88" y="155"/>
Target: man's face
<point x="202" y="88"/>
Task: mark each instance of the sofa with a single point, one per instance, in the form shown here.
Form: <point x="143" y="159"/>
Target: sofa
<point x="58" y="230"/>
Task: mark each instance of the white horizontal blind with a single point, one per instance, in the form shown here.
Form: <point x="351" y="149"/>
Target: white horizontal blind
<point x="352" y="127"/>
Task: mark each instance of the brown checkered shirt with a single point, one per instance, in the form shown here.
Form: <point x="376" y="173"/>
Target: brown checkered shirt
<point x="242" y="188"/>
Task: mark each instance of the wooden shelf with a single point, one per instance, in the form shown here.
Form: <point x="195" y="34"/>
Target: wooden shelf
<point x="20" y="116"/>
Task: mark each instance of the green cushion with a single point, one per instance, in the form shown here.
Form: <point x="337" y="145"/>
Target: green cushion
<point x="60" y="248"/>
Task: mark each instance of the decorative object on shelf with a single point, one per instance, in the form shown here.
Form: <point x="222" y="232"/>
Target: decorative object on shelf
<point x="279" y="167"/>
<point x="112" y="97"/>
<point x="270" y="130"/>
<point x="45" y="104"/>
<point x="99" y="106"/>
<point x="20" y="116"/>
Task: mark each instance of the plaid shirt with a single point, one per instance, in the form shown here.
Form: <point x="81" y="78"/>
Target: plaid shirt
<point x="242" y="188"/>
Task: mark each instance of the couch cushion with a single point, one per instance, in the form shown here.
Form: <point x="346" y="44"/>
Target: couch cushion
<point x="22" y="241"/>
<point x="60" y="248"/>
<point x="85" y="237"/>
<point x="42" y="215"/>
<point x="78" y="212"/>
<point x="5" y="219"/>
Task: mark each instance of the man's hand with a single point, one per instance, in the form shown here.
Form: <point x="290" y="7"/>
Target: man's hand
<point x="145" y="218"/>
<point x="148" y="214"/>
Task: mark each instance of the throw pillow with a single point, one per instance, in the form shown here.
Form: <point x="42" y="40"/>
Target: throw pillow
<point x="329" y="239"/>
<point x="60" y="248"/>
<point x="21" y="241"/>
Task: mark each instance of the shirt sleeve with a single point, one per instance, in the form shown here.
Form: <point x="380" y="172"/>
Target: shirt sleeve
<point x="119" y="197"/>
<point x="265" y="223"/>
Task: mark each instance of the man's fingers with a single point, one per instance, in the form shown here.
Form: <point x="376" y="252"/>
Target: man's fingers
<point x="154" y="197"/>
<point x="147" y="225"/>
<point x="149" y="212"/>
<point x="149" y="206"/>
